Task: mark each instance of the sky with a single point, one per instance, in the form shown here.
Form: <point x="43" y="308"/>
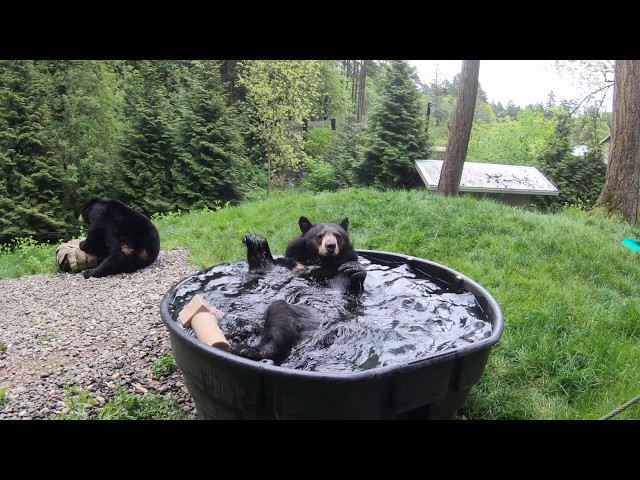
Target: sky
<point x="524" y="82"/>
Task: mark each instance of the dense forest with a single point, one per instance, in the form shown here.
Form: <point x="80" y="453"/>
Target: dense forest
<point x="168" y="136"/>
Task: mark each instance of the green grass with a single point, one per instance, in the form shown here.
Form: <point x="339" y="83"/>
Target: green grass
<point x="29" y="257"/>
<point x="164" y="365"/>
<point x="125" y="406"/>
<point x="152" y="406"/>
<point x="568" y="289"/>
<point x="78" y="402"/>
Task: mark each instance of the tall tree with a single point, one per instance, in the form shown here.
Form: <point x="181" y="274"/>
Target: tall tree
<point x="437" y="93"/>
<point x="460" y="132"/>
<point x="455" y="87"/>
<point x="621" y="190"/>
<point x="229" y="71"/>
<point x="550" y="105"/>
<point x="148" y="149"/>
<point x="357" y="72"/>
<point x="86" y="100"/>
<point x="333" y="101"/>
<point x="32" y="186"/>
<point x="593" y="77"/>
<point x="396" y="130"/>
<point x="210" y="165"/>
<point x="512" y="110"/>
<point x="347" y="152"/>
<point x="578" y="177"/>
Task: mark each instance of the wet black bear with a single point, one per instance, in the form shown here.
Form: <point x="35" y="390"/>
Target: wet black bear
<point x="126" y="239"/>
<point x="323" y="251"/>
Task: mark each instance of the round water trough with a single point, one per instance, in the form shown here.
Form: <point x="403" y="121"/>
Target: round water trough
<point x="226" y="386"/>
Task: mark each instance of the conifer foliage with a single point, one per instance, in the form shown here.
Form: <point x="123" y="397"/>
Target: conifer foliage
<point x="210" y="165"/>
<point x="169" y="135"/>
<point x="396" y="134"/>
<point x="32" y="180"/>
<point x="147" y="147"/>
<point x="579" y="178"/>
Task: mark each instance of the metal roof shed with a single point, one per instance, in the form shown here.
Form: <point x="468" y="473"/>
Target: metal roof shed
<point x="512" y="184"/>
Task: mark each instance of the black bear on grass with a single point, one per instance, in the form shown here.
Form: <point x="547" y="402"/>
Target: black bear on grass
<point x="126" y="239"/>
<point x="323" y="251"/>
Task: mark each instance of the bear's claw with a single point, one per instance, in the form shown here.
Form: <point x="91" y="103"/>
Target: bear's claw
<point x="353" y="269"/>
<point x="356" y="272"/>
<point x="243" y="350"/>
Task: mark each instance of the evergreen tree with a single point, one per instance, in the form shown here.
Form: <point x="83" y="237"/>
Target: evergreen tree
<point x="499" y="110"/>
<point x="86" y="100"/>
<point x="455" y="88"/>
<point x="210" y="165"/>
<point x="235" y="92"/>
<point x="396" y="131"/>
<point x="32" y="186"/>
<point x="579" y="178"/>
<point x="148" y="152"/>
<point x="550" y="105"/>
<point x="347" y="152"/>
<point x="512" y="110"/>
<point x="447" y="88"/>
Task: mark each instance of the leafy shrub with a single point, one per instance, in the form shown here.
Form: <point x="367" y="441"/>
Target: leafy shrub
<point x="319" y="142"/>
<point x="321" y="176"/>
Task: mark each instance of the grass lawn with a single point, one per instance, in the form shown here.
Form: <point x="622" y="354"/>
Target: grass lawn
<point x="568" y="289"/>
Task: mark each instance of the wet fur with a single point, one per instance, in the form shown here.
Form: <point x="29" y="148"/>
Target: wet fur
<point x="322" y="251"/>
<point x="284" y="325"/>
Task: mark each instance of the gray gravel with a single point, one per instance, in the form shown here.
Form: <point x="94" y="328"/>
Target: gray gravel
<point x="60" y="331"/>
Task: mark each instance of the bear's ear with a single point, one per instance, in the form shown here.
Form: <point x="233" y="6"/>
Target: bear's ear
<point x="345" y="224"/>
<point x="305" y="224"/>
<point x="90" y="202"/>
<point x="84" y="212"/>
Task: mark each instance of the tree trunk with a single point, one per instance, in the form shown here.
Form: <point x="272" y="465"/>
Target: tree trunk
<point x="458" y="141"/>
<point x="436" y="94"/>
<point x="354" y="88"/>
<point x="621" y="189"/>
<point x="363" y="81"/>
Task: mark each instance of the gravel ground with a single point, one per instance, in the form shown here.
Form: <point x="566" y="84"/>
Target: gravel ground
<point x="98" y="334"/>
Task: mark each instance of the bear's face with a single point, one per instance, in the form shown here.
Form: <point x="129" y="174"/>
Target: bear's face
<point x="326" y="239"/>
<point x="86" y="210"/>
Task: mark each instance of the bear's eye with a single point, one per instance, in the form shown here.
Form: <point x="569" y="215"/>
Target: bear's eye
<point x="319" y="237"/>
<point x="337" y="235"/>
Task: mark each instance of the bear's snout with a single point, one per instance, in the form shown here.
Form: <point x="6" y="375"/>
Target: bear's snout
<point x="329" y="246"/>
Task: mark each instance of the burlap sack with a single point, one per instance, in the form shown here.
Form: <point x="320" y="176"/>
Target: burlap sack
<point x="73" y="260"/>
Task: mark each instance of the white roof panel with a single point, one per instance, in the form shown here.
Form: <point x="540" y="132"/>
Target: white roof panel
<point x="490" y="178"/>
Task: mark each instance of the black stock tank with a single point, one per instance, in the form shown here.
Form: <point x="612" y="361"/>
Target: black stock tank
<point x="411" y="346"/>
